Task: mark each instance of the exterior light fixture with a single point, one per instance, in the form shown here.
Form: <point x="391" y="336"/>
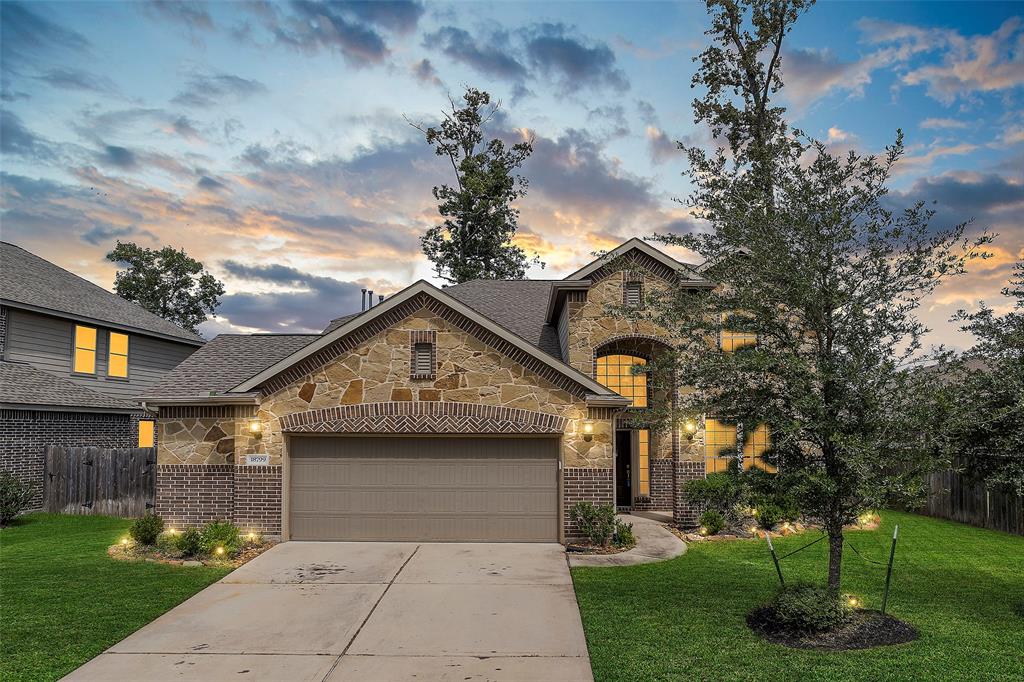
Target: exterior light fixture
<point x="256" y="427"/>
<point x="588" y="430"/>
<point x="124" y="542"/>
<point x="219" y="551"/>
<point x="690" y="427"/>
<point x="853" y="601"/>
<point x="172" y="531"/>
<point x="252" y="537"/>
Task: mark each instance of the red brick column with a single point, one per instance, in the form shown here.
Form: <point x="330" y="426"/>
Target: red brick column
<point x="258" y="499"/>
<point x="684" y="513"/>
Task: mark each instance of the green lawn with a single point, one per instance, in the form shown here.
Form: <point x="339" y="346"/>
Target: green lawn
<point x="62" y="600"/>
<point x="684" y="619"/>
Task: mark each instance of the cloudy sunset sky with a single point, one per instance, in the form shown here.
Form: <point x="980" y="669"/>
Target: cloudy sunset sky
<point x="268" y="139"/>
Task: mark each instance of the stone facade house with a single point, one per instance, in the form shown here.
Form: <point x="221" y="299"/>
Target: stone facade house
<point x="72" y="357"/>
<point x="480" y="411"/>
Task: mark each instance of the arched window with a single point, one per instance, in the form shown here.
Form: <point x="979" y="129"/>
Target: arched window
<point x="616" y="372"/>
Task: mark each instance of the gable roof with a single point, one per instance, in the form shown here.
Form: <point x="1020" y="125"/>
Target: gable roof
<point x="686" y="271"/>
<point x="22" y="385"/>
<point x="33" y="283"/>
<point x="223" y="363"/>
<point x="422" y="288"/>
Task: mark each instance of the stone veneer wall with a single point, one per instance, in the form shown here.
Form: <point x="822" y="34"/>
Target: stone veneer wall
<point x="24" y="435"/>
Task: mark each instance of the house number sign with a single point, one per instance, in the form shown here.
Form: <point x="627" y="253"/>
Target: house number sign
<point x="257" y="460"/>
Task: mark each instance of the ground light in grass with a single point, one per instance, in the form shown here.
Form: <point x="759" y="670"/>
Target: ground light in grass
<point x="686" y="618"/>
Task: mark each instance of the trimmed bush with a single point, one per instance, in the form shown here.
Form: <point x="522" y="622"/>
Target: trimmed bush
<point x="712" y="521"/>
<point x="146" y="529"/>
<point x="718" y="491"/>
<point x="768" y="515"/>
<point x="14" y="497"/>
<point x="596" y="521"/>
<point x="623" y="535"/>
<point x="189" y="543"/>
<point x="221" y="534"/>
<point x="804" y="608"/>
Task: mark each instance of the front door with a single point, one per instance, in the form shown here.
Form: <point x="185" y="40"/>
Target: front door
<point x="623" y="468"/>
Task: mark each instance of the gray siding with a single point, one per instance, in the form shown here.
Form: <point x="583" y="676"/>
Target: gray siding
<point x="563" y="331"/>
<point x="45" y="342"/>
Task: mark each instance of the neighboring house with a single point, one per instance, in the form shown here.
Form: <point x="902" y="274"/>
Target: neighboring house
<point x="481" y="411"/>
<point x="72" y="358"/>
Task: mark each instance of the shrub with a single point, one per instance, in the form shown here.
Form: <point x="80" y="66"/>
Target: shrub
<point x="712" y="521"/>
<point x="190" y="542"/>
<point x="146" y="528"/>
<point x="14" y="497"/>
<point x="168" y="545"/>
<point x="720" y="492"/>
<point x="768" y="515"/>
<point x="597" y="522"/>
<point x="221" y="534"/>
<point x="806" y="609"/>
<point x="623" y="535"/>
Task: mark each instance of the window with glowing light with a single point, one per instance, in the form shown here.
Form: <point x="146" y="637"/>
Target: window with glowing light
<point x="643" y="462"/>
<point x="117" y="362"/>
<point x="147" y="433"/>
<point x="719" y="445"/>
<point x="616" y="372"/>
<point x="755" y="443"/>
<point x="85" y="350"/>
<point x="730" y="341"/>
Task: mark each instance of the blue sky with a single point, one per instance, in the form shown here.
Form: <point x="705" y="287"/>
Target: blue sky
<point x="268" y="139"/>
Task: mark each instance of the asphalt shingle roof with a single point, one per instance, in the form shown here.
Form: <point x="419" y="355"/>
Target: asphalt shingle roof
<point x="23" y="384"/>
<point x="225" y="362"/>
<point x="33" y="281"/>
<point x="519" y="305"/>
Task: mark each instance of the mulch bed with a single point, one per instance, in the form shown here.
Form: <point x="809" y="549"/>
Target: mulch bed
<point x="867" y="629"/>
<point x="135" y="552"/>
<point x="597" y="549"/>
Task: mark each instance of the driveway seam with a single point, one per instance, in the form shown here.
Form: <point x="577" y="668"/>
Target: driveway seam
<point x="374" y="608"/>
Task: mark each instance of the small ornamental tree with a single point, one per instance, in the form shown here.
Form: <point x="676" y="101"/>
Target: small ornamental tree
<point x="475" y="239"/>
<point x="166" y="282"/>
<point x="984" y="391"/>
<point x="811" y="260"/>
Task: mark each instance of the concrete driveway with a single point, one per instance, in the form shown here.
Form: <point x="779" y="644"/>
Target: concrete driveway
<point x="368" y="611"/>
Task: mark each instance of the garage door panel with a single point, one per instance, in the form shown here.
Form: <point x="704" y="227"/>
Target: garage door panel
<point x="458" y="489"/>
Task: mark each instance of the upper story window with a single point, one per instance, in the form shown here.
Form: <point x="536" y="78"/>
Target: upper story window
<point x="147" y="433"/>
<point x="117" y="360"/>
<point x="616" y="372"/>
<point x="730" y="341"/>
<point x="84" y="360"/>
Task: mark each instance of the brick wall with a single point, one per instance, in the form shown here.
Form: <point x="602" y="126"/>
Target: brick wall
<point x="581" y="484"/>
<point x="661" y="487"/>
<point x="24" y="435"/>
<point x="193" y="494"/>
<point x="684" y="513"/>
<point x="258" y="499"/>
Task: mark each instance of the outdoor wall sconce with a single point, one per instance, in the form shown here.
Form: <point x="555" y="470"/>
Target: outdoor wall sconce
<point x="588" y="430"/>
<point x="256" y="428"/>
<point x="690" y="427"/>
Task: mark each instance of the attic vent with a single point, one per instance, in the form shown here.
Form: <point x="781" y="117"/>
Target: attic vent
<point x="632" y="294"/>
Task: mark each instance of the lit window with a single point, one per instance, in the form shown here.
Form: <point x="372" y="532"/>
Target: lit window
<point x="146" y="433"/>
<point x="754" y="445"/>
<point x="616" y="372"/>
<point x="730" y="341"/>
<point x="85" y="349"/>
<point x="643" y="462"/>
<point x="117" y="365"/>
<point x="422" y="359"/>
<point x="632" y="294"/>
<point x="719" y="445"/>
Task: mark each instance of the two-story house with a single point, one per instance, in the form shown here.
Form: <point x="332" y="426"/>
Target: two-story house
<point x="478" y="412"/>
<point x="73" y="356"/>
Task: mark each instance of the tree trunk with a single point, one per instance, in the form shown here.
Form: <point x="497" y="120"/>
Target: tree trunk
<point x="835" y="560"/>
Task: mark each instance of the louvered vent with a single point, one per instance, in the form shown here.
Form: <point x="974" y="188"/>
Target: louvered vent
<point x="633" y="294"/>
<point x="422" y="359"/>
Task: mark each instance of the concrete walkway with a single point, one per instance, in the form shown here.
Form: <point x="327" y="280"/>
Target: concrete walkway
<point x="654" y="542"/>
<point x="368" y="611"/>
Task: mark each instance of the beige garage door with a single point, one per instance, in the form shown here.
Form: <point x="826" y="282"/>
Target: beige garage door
<point x="424" y="488"/>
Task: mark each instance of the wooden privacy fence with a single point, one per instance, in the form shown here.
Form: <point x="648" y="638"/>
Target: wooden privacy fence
<point x="953" y="496"/>
<point x="108" y="481"/>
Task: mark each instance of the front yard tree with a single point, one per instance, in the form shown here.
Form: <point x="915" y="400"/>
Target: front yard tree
<point x="812" y="260"/>
<point x="986" y="385"/>
<point x="475" y="239"/>
<point x="166" y="282"/>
